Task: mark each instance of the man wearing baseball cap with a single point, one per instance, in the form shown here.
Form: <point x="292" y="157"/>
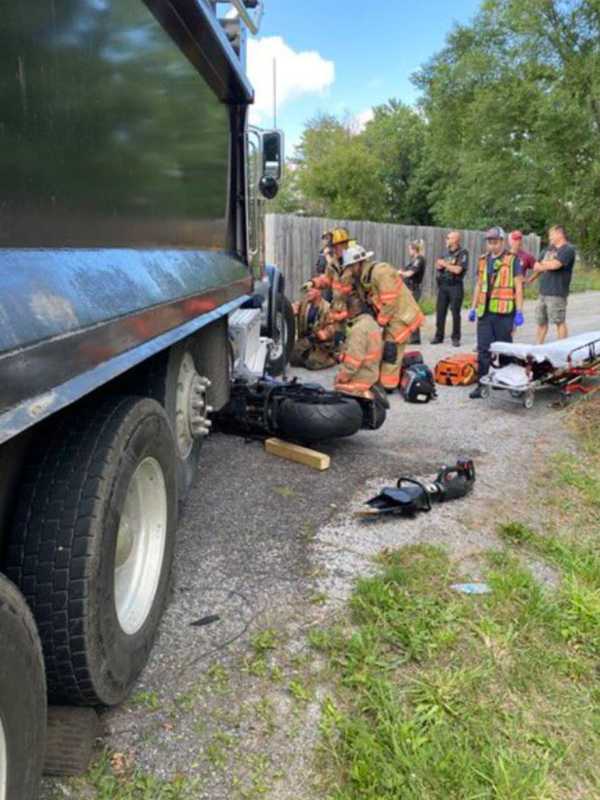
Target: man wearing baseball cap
<point x="527" y="259"/>
<point x="497" y="299"/>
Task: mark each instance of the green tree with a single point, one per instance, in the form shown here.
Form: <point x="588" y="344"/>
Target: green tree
<point x="371" y="174"/>
<point x="513" y="108"/>
<point x="396" y="136"/>
<point x="336" y="169"/>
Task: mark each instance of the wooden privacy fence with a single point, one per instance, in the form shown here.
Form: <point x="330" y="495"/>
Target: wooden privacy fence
<point x="293" y="243"/>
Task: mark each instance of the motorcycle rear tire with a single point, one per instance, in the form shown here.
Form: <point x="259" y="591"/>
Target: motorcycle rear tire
<point x="314" y="422"/>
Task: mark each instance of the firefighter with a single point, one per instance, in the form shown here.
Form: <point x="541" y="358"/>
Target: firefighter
<point x="333" y="279"/>
<point x="314" y="348"/>
<point x="497" y="299"/>
<point x="361" y="356"/>
<point x="396" y="310"/>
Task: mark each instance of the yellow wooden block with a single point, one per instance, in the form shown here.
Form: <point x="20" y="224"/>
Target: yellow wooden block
<point x="295" y="452"/>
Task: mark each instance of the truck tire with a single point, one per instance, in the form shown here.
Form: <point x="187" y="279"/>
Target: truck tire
<point x="314" y="422"/>
<point x="284" y="335"/>
<point x="92" y="545"/>
<point x="175" y="383"/>
<point x="22" y="698"/>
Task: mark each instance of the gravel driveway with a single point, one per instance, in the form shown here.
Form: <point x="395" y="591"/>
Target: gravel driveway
<point x="270" y="545"/>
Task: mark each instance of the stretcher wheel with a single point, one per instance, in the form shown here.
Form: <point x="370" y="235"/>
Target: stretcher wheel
<point x="528" y="399"/>
<point x="485" y="392"/>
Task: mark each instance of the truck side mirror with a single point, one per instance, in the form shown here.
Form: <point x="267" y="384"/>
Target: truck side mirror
<point x="272" y="154"/>
<point x="268" y="187"/>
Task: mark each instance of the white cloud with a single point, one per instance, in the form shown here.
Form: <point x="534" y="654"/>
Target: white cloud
<point x="361" y="120"/>
<point x="298" y="73"/>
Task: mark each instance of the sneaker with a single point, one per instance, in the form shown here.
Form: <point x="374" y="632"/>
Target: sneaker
<point x="436" y="340"/>
<point x="455" y="342"/>
<point x="476" y="393"/>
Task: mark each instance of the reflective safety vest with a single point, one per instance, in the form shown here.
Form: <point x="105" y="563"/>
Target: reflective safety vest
<point x="502" y="296"/>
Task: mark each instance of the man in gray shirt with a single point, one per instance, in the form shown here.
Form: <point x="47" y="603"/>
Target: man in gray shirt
<point x="555" y="271"/>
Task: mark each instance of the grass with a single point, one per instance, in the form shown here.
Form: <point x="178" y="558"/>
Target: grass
<point x="109" y="783"/>
<point x="444" y="696"/>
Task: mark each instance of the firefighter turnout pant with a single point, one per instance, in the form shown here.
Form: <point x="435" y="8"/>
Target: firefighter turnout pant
<point x="312" y="355"/>
<point x="397" y="313"/>
<point x="391" y="362"/>
<point x="361" y="357"/>
<point x="492" y="328"/>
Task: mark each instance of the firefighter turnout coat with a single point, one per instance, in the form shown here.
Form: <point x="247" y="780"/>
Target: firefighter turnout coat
<point x="314" y="346"/>
<point x="341" y="285"/>
<point x="398" y="313"/>
<point x="361" y="357"/>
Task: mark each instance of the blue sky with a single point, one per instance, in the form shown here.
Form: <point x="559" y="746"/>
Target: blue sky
<point x="344" y="57"/>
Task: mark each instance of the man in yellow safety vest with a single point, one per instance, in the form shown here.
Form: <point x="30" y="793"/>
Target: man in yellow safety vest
<point x="497" y="299"/>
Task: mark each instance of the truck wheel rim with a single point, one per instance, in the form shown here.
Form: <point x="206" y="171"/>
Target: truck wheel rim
<point x="140" y="547"/>
<point x="185" y="390"/>
<point x="3" y="762"/>
<point x="191" y="409"/>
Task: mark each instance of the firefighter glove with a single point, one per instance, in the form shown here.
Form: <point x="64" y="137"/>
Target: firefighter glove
<point x="339" y="338"/>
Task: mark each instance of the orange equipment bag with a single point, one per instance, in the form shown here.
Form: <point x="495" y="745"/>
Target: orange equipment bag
<point x="458" y="370"/>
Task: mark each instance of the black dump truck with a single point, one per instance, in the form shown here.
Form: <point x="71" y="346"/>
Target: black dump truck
<point x="130" y="187"/>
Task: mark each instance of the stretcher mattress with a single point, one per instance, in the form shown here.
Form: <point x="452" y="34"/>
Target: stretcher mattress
<point x="556" y="353"/>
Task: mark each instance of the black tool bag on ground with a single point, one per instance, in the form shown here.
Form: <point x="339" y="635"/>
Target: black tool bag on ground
<point x="417" y="384"/>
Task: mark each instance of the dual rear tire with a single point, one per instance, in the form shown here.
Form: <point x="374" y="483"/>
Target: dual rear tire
<point x="22" y="698"/>
<point x="92" y="545"/>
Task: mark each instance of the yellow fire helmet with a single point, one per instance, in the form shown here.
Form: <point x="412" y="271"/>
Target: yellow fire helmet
<point x="340" y="236"/>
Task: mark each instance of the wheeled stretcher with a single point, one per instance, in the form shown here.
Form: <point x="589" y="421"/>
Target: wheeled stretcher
<point x="522" y="369"/>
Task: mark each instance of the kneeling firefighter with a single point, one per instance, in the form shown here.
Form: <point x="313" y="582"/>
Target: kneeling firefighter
<point x="361" y="356"/>
<point x="397" y="311"/>
<point x="315" y="344"/>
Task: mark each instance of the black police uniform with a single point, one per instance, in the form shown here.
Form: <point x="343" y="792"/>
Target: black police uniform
<point x="451" y="293"/>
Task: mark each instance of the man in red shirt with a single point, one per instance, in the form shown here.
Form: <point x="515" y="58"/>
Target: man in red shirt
<point x="515" y="242"/>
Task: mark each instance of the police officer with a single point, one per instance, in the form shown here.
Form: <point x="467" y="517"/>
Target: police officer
<point x="451" y="270"/>
<point x="497" y="299"/>
<point x="413" y="274"/>
<point x="396" y="310"/>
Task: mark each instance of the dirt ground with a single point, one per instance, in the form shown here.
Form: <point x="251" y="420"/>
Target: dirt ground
<point x="273" y="549"/>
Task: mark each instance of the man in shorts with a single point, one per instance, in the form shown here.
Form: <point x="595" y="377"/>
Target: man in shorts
<point x="554" y="271"/>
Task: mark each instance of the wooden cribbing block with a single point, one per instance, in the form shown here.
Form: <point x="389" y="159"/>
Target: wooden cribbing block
<point x="294" y="452"/>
